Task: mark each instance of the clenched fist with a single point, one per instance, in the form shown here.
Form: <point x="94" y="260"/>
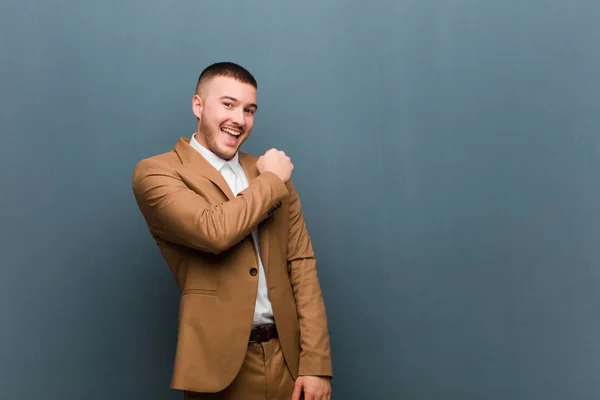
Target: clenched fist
<point x="277" y="162"/>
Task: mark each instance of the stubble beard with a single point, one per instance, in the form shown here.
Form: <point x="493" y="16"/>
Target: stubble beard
<point x="210" y="136"/>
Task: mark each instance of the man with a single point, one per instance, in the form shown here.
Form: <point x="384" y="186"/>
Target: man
<point x="252" y="322"/>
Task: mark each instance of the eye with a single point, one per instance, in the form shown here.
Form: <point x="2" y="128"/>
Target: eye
<point x="227" y="104"/>
<point x="249" y="111"/>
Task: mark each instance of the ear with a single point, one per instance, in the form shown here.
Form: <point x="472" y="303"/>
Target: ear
<point x="197" y="105"/>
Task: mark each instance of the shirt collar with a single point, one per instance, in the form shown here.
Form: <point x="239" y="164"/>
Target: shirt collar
<point x="214" y="159"/>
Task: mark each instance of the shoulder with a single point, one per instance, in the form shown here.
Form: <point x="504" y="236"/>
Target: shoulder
<point x="167" y="162"/>
<point x="169" y="159"/>
<point x="247" y="156"/>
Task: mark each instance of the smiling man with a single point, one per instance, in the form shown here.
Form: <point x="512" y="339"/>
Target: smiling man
<point x="252" y="322"/>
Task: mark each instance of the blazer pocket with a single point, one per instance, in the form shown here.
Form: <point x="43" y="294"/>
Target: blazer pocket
<point x="202" y="292"/>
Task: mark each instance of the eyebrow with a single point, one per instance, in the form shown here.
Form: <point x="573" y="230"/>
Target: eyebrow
<point x="237" y="101"/>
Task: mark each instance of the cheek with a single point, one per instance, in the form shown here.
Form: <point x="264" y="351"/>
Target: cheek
<point x="220" y="113"/>
<point x="216" y="116"/>
<point x="249" y="123"/>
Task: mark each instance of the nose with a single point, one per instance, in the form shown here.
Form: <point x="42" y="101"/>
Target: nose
<point x="238" y="117"/>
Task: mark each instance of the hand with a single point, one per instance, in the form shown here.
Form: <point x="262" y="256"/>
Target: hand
<point x="314" y="387"/>
<point x="277" y="162"/>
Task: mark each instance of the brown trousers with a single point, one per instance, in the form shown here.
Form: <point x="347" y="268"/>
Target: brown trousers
<point x="263" y="376"/>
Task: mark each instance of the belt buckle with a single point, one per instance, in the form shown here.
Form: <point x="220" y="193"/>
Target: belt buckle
<point x="260" y="332"/>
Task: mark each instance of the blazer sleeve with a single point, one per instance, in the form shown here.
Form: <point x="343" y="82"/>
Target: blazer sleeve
<point x="178" y="214"/>
<point x="315" y="352"/>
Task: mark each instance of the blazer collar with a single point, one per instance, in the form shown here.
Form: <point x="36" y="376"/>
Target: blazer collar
<point x="192" y="159"/>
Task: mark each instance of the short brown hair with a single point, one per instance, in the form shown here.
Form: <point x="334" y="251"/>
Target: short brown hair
<point x="228" y="69"/>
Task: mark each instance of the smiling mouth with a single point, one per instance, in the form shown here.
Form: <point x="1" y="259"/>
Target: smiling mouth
<point x="232" y="132"/>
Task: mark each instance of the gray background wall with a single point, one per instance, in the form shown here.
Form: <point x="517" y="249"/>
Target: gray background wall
<point x="447" y="155"/>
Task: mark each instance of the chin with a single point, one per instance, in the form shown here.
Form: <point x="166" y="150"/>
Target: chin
<point x="226" y="154"/>
<point x="228" y="151"/>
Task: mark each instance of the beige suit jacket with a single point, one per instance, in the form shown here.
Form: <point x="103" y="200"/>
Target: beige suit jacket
<point x="204" y="234"/>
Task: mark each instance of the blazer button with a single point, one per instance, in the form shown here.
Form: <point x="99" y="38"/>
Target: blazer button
<point x="253" y="271"/>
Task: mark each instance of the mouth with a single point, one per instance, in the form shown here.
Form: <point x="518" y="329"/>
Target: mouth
<point x="232" y="134"/>
<point x="232" y="131"/>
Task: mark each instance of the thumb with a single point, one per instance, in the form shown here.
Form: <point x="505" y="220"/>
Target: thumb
<point x="297" y="389"/>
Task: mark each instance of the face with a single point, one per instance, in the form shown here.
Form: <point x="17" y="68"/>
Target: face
<point x="225" y="109"/>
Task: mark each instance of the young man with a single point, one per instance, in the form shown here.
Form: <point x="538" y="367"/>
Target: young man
<point x="252" y="322"/>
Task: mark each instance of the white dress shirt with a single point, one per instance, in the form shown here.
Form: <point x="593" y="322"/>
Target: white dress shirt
<point x="237" y="180"/>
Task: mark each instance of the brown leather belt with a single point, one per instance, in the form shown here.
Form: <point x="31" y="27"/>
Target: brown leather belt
<point x="263" y="333"/>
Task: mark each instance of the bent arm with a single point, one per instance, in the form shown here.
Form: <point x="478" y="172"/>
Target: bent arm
<point x="178" y="214"/>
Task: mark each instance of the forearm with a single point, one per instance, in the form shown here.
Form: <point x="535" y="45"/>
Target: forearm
<point x="315" y="352"/>
<point x="315" y="357"/>
<point x="180" y="215"/>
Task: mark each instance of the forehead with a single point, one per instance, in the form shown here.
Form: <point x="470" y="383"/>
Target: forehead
<point x="226" y="86"/>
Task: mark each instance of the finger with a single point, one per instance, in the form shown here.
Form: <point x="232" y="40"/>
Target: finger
<point x="319" y="394"/>
<point x="297" y="390"/>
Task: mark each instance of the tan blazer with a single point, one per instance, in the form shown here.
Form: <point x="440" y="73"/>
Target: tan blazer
<point x="204" y="234"/>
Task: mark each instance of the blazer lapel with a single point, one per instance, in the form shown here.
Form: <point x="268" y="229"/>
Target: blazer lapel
<point x="249" y="164"/>
<point x="194" y="160"/>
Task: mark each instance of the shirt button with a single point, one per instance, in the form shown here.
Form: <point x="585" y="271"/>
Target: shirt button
<point x="253" y="271"/>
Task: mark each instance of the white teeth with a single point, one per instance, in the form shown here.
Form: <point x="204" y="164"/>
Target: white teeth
<point x="231" y="131"/>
